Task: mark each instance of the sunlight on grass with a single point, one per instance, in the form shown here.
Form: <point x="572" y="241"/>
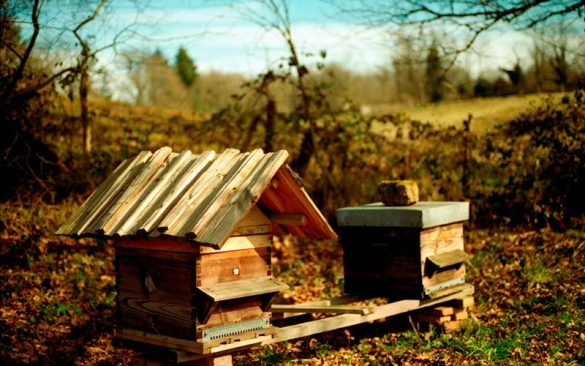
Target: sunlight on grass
<point x="487" y="112"/>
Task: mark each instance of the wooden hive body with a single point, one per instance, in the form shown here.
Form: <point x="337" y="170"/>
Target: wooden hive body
<point x="403" y="252"/>
<point x="166" y="285"/>
<point x="193" y="239"/>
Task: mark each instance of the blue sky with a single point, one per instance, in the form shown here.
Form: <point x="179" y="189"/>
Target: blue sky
<point x="223" y="38"/>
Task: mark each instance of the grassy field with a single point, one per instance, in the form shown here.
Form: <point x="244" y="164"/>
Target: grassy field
<point x="486" y="112"/>
<point x="57" y="295"/>
<point x="57" y="301"/>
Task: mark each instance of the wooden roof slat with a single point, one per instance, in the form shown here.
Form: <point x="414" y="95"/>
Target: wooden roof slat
<point x="179" y="183"/>
<point x="213" y="204"/>
<point x="199" y="197"/>
<point x="226" y="185"/>
<point x="157" y="184"/>
<point x="198" y="191"/>
<point x="110" y="195"/>
<point x="94" y="197"/>
<point x="217" y="231"/>
<point x="116" y="211"/>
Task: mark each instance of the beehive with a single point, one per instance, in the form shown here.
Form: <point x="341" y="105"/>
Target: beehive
<point x="193" y="235"/>
<point x="403" y="252"/>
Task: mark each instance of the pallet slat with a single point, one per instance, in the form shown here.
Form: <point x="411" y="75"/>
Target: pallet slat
<point x="346" y="320"/>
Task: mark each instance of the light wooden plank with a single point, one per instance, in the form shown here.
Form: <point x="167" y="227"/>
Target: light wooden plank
<point x="207" y="214"/>
<point x="151" y="193"/>
<point x="346" y="320"/>
<point x="328" y="309"/>
<point x="241" y="242"/>
<point x="159" y="340"/>
<point x="192" y="198"/>
<point x="176" y="189"/>
<point x="232" y="212"/>
<point x="342" y="300"/>
<point x="116" y="211"/>
<point x="288" y="219"/>
<point x="236" y="346"/>
<point x="447" y="259"/>
<point x="111" y="194"/>
<point x="244" y="288"/>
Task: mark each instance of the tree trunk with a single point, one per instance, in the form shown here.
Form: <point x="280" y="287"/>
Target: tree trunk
<point x="269" y="126"/>
<point x="85" y="122"/>
<point x="301" y="163"/>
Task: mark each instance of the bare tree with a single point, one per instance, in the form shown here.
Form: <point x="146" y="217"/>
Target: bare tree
<point x="15" y="90"/>
<point x="473" y="16"/>
<point x="273" y="15"/>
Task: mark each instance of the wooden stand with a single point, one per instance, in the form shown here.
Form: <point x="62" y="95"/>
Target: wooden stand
<point x="453" y="302"/>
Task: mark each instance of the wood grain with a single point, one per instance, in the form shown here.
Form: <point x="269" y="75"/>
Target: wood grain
<point x="220" y="267"/>
<point x="155" y="291"/>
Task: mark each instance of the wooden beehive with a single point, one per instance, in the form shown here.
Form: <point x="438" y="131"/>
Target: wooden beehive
<point x="403" y="252"/>
<point x="193" y="238"/>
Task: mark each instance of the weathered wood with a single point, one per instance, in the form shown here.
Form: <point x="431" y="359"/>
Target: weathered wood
<point x="112" y="190"/>
<point x="167" y="200"/>
<point x="233" y="265"/>
<point x="464" y="303"/>
<point x="440" y="293"/>
<point x="119" y="208"/>
<point x="71" y="227"/>
<point x="432" y="318"/>
<point x="190" y="202"/>
<point x="252" y="230"/>
<point x="168" y="244"/>
<point x="443" y="275"/>
<point x="442" y="310"/>
<point x="244" y="288"/>
<point x="155" y="291"/>
<point x="448" y="259"/>
<point x="287" y="196"/>
<point x="460" y="315"/>
<point x="240" y="242"/>
<point x="213" y="204"/>
<point x="441" y="239"/>
<point x="230" y="212"/>
<point x="288" y="219"/>
<point x="150" y="193"/>
<point x="328" y="309"/>
<point x="342" y="300"/>
<point x="231" y="311"/>
<point x="159" y="340"/>
<point x="346" y="320"/>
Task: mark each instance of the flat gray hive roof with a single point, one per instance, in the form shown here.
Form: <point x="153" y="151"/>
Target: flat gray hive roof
<point x="424" y="214"/>
<point x="200" y="197"/>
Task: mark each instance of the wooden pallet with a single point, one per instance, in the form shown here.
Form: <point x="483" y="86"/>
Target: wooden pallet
<point x="346" y="315"/>
<point x="449" y="316"/>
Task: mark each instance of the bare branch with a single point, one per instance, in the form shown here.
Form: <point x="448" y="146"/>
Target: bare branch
<point x="24" y="59"/>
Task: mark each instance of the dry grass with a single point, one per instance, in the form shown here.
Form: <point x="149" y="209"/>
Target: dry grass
<point x="487" y="112"/>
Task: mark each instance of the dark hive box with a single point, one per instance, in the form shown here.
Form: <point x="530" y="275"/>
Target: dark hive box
<point x="403" y="252"/>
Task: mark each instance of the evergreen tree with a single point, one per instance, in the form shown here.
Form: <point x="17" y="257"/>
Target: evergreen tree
<point x="185" y="67"/>
<point x="434" y="74"/>
<point x="516" y="76"/>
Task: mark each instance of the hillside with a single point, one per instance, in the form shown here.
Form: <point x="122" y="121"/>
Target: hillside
<point x="486" y="112"/>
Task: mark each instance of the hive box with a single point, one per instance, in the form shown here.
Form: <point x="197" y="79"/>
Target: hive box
<point x="403" y="252"/>
<point x="193" y="236"/>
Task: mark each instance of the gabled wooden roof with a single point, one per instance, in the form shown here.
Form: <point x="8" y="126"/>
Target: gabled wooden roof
<point x="201" y="197"/>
